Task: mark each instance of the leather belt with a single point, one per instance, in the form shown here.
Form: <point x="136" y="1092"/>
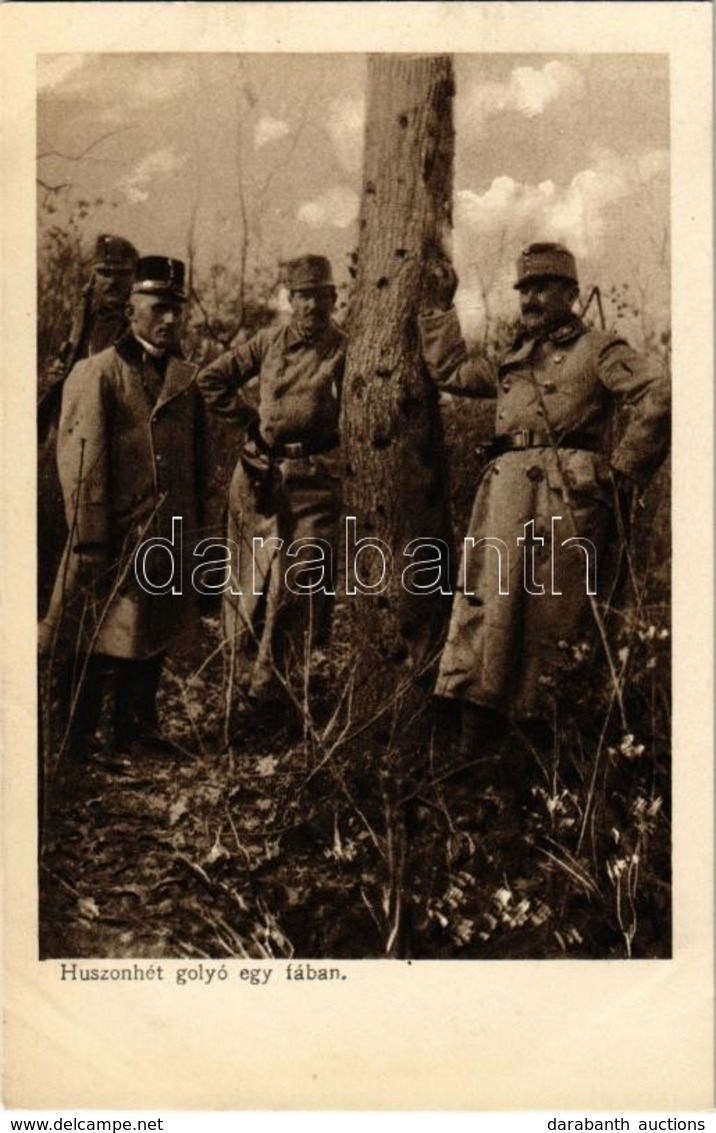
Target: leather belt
<point x="296" y="450"/>
<point x="532" y="438"/>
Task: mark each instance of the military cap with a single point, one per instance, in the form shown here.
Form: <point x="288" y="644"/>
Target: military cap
<point x="114" y="252"/>
<point x="157" y="275"/>
<point x="307" y="272"/>
<point x="545" y="261"/>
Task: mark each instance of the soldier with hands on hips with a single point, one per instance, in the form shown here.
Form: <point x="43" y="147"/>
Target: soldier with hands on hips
<point x="287" y="484"/>
<point x="557" y="473"/>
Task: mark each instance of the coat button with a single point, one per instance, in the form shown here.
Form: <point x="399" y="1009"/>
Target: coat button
<point x="557" y="358"/>
<point x="534" y="473"/>
<point x="507" y="384"/>
<point x="501" y="415"/>
<point x="549" y="387"/>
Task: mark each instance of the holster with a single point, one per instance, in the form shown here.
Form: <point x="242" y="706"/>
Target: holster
<point x="261" y="472"/>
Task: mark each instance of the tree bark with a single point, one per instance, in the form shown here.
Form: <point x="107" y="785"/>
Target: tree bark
<point x="395" y="476"/>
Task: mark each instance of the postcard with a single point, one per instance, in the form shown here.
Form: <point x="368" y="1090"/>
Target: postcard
<point x="357" y="606"/>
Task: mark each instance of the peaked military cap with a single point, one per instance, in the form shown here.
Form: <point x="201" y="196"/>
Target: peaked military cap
<point x="306" y="272"/>
<point x="157" y="275"/>
<point x="114" y="252"/>
<point x="545" y="261"/>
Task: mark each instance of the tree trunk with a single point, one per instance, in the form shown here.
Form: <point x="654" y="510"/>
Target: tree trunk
<point x="395" y="482"/>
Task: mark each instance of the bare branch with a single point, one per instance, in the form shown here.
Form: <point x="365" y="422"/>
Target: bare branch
<point x="223" y="341"/>
<point x="83" y="153"/>
<point x="51" y="188"/>
<point x="279" y="165"/>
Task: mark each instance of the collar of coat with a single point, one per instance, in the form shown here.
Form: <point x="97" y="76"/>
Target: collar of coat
<point x="325" y="343"/>
<point x="567" y="331"/>
<point x="179" y="373"/>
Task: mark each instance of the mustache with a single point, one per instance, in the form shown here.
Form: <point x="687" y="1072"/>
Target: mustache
<point x="533" y="309"/>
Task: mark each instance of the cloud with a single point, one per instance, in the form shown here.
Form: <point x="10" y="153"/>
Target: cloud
<point x="269" y="130"/>
<point x="157" y="79"/>
<point x="345" y="123"/>
<point x="596" y="214"/>
<point x="576" y="213"/>
<point x="338" y="207"/>
<point x="161" y="163"/>
<point x="528" y="91"/>
<point x="133" y="81"/>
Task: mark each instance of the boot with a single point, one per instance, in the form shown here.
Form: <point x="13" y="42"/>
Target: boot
<point x="87" y="709"/>
<point x="135" y="722"/>
<point x="480" y="730"/>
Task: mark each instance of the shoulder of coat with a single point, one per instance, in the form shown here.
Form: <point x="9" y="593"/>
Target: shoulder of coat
<point x="95" y="366"/>
<point x="268" y="335"/>
<point x="258" y="343"/>
<point x="601" y="341"/>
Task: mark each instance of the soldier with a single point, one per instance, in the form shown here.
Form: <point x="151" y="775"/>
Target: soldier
<point x="131" y="461"/>
<point x="557" y="473"/>
<point x="286" y="485"/>
<point x="99" y="319"/>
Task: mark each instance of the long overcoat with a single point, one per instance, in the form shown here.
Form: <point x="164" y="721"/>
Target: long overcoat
<point x="132" y="462"/>
<point x="93" y="331"/>
<point x="586" y="405"/>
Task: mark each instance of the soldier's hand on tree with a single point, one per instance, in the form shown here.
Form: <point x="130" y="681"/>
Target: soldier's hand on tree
<point x="439" y="285"/>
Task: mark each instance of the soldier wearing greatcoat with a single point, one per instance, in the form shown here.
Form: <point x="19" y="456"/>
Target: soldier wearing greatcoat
<point x="132" y="465"/>
<point x="546" y="509"/>
<point x="98" y="320"/>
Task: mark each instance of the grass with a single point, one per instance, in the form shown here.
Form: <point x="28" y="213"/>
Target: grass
<point x="276" y="840"/>
<point x="300" y="842"/>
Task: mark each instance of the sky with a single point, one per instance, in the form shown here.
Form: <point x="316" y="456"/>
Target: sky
<point x="567" y="147"/>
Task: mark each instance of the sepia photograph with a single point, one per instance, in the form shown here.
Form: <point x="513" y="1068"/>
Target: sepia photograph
<point x="361" y="611"/>
<point x="354" y="506"/>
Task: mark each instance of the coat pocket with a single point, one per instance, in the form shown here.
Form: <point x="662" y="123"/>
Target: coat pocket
<point x="578" y="474"/>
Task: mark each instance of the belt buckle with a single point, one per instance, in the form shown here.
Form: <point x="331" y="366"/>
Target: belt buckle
<point x="522" y="438"/>
<point x="294" y="450"/>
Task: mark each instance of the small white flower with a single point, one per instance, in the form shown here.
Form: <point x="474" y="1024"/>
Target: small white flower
<point x="502" y="897"/>
<point x="629" y="748"/>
